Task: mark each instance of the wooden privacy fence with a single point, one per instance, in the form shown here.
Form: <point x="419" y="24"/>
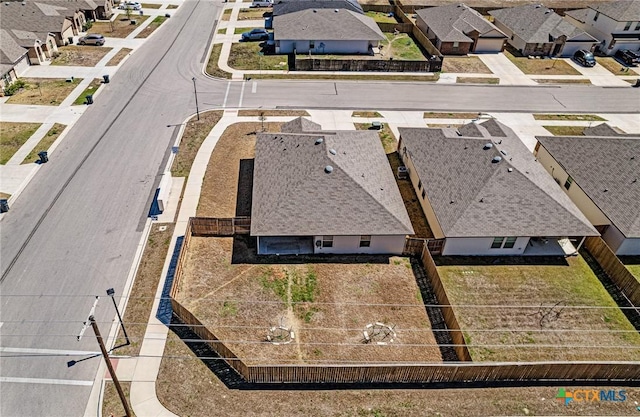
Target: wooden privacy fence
<point x="392" y="27"/>
<point x="213" y="226"/>
<point x="447" y="311"/>
<point x="414" y="246"/>
<point x="615" y="270"/>
<point x="305" y="63"/>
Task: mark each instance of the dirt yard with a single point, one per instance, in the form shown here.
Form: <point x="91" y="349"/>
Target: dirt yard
<point x="327" y="305"/>
<point x="81" y="56"/>
<point x="13" y="136"/>
<point x="44" y="91"/>
<point x="471" y="64"/>
<point x="119" y="56"/>
<point x="578" y="319"/>
<point x="120" y="27"/>
<point x="541" y="66"/>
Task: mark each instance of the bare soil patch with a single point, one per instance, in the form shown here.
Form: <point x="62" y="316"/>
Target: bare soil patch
<point x="220" y="185"/>
<point x="82" y="56"/>
<point x="13" y="136"/>
<point x="45" y="142"/>
<point x="111" y="404"/>
<point x="194" y="134"/>
<point x="226" y="15"/>
<point x="562" y="81"/>
<point x="120" y="27"/>
<point x="267" y="113"/>
<point x="44" y="91"/>
<point x="541" y="66"/>
<point x="477" y="80"/>
<point x="538" y="313"/>
<point x="119" y="56"/>
<point x="471" y="64"/>
<point x="435" y="115"/>
<point x="327" y="305"/>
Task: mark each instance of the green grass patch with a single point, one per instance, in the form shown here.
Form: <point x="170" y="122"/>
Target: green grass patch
<point x="229" y="308"/>
<point x="534" y="312"/>
<point x="402" y="47"/>
<point x="13" y="136"/>
<point x="381" y="17"/>
<point x="562" y="81"/>
<point x="579" y="117"/>
<point x="45" y="143"/>
<point x="364" y="113"/>
<point x="437" y="115"/>
<point x="387" y="138"/>
<point x="172" y="6"/>
<point x="222" y="31"/>
<point x="151" y="27"/>
<point x="477" y="80"/>
<point x="372" y="77"/>
<point x="292" y="287"/>
<point x="212" y="66"/>
<point x="245" y="56"/>
<point x="541" y="66"/>
<point x="90" y="90"/>
<point x="226" y="14"/>
<point x="565" y="130"/>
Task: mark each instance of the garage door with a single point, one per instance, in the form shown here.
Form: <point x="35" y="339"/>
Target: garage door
<point x="488" y="45"/>
<point x="22" y="65"/>
<point x="570" y="48"/>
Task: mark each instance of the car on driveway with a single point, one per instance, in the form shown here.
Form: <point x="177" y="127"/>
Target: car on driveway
<point x="584" y="58"/>
<point x="131" y="5"/>
<point x="92" y="39"/>
<point x="628" y="57"/>
<point x="255" y="35"/>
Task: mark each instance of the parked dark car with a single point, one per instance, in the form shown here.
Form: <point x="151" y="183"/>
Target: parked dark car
<point x="628" y="57"/>
<point x="92" y="39"/>
<point x="255" y="35"/>
<point x="584" y="58"/>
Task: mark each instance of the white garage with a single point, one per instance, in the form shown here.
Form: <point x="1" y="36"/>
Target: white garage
<point x="489" y="45"/>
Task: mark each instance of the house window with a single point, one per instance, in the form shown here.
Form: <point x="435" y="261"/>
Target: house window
<point x="365" y="241"/>
<point x="456" y="45"/>
<point x="312" y="44"/>
<point x="327" y="241"/>
<point x="568" y="183"/>
<point x="419" y="184"/>
<point x="510" y="242"/>
<point x="627" y="26"/>
<point x="596" y="16"/>
<point x="424" y="194"/>
<point x="497" y="242"/>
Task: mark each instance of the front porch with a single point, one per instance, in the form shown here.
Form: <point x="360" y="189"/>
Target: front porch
<point x="285" y="245"/>
<point x="552" y="246"/>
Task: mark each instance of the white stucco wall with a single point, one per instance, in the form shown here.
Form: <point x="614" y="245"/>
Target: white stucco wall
<point x="575" y="193"/>
<point x="392" y="245"/>
<point x="481" y="246"/>
<point x="602" y="29"/>
<point x="330" y="47"/>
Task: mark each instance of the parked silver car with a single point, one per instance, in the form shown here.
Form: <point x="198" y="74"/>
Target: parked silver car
<point x="92" y="39"/>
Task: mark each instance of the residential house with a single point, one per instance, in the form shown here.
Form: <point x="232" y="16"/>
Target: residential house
<point x="601" y="174"/>
<point x="14" y="59"/>
<point x="538" y="31"/>
<point x="325" y="31"/>
<point x="34" y="20"/>
<point x="457" y="29"/>
<point x="72" y="10"/>
<point x="282" y="7"/>
<point x="318" y="192"/>
<point x="482" y="191"/>
<point x="616" y="24"/>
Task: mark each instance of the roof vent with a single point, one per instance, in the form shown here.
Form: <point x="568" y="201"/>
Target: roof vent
<point x="503" y="152"/>
<point x="319" y="141"/>
<point x="510" y="170"/>
<point x="606" y="189"/>
<point x="538" y="6"/>
<point x="487" y="146"/>
<point x="332" y="151"/>
<point x="335" y="10"/>
<point x="496" y="159"/>
<point x="315" y="11"/>
<point x="328" y="169"/>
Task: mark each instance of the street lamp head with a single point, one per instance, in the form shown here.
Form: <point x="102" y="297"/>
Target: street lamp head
<point x="110" y="292"/>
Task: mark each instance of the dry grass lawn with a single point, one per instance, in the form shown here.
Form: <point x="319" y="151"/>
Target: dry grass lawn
<point x="633" y="265"/>
<point x="194" y="134"/>
<point x="477" y="80"/>
<point x="579" y="117"/>
<point x="212" y="65"/>
<point x="111" y="404"/>
<point x="364" y="113"/>
<point x="274" y="113"/>
<point x="121" y="27"/>
<point x="435" y="115"/>
<point x="615" y="67"/>
<point x="226" y="15"/>
<point x="80" y="56"/>
<point x="151" y="27"/>
<point x="253" y="14"/>
<point x="13" y="136"/>
<point x="378" y="77"/>
<point x="119" y="56"/>
<point x="44" y="91"/>
<point x="565" y="130"/>
<point x="471" y="64"/>
<point x="599" y="331"/>
<point x="245" y="56"/>
<point x="45" y="143"/>
<point x="541" y="66"/>
<point x="562" y="81"/>
<point x="327" y="305"/>
<point x="188" y="388"/>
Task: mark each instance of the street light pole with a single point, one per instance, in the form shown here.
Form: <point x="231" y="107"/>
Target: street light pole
<point x="195" y="92"/>
<point x="110" y="293"/>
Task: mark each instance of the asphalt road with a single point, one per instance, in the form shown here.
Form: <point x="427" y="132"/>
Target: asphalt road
<point x="73" y="232"/>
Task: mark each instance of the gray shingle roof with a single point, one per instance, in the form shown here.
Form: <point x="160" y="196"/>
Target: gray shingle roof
<point x="604" y="163"/>
<point x="66" y="6"/>
<point x="281" y="7"/>
<point x="579" y="14"/>
<point x="30" y="18"/>
<point x="453" y="22"/>
<point x="325" y="24"/>
<point x="620" y="10"/>
<point x="473" y="197"/>
<point x="536" y="24"/>
<point x="300" y="125"/>
<point x="10" y="50"/>
<point x="602" y="129"/>
<point x="294" y="196"/>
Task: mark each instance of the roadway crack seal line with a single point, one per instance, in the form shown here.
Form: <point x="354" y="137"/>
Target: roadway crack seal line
<point x="95" y="145"/>
<point x="45" y="381"/>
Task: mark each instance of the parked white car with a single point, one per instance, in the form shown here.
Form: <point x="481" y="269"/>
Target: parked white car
<point x="131" y="5"/>
<point x="262" y="3"/>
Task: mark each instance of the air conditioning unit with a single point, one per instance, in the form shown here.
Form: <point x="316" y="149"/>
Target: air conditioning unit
<point x="403" y="172"/>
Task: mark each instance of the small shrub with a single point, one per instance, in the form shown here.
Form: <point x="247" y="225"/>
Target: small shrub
<point x="13" y="87"/>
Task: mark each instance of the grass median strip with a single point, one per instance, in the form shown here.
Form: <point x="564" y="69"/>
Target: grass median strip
<point x="120" y="27"/>
<point x="89" y="91"/>
<point x="364" y="113"/>
<point x="347" y="77"/>
<point x="615" y="67"/>
<point x="13" y="136"/>
<point x="119" y="56"/>
<point x="477" y="80"/>
<point x="577" y="117"/>
<point x="45" y="143"/>
<point x="212" y="66"/>
<point x="195" y="133"/>
<point x="535" y="66"/>
<point x="562" y="81"/>
<point x="437" y="115"/>
<point x="151" y="27"/>
<point x="565" y="130"/>
<point x="272" y="113"/>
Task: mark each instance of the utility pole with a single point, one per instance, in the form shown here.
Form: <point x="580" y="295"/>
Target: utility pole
<point x="195" y="92"/>
<point x="105" y="354"/>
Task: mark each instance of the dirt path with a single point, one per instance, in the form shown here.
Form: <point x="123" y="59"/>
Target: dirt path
<point x="291" y="317"/>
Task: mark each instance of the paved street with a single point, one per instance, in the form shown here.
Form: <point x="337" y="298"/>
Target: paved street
<point x="74" y="231"/>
